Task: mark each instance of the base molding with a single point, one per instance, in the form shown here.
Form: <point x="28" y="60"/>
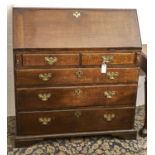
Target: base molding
<point x="23" y="141"/>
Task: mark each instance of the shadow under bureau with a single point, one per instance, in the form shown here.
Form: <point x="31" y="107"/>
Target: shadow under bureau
<point x="76" y="72"/>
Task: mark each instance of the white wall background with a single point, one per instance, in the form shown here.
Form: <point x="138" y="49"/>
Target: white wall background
<point x="142" y="15"/>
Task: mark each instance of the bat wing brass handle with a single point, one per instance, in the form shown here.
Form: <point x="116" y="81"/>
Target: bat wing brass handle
<point x="79" y="73"/>
<point x="109" y="94"/>
<point x="76" y="14"/>
<point x="44" y="97"/>
<point x="44" y="120"/>
<point x="107" y="59"/>
<point x="51" y="60"/>
<point x="45" y="76"/>
<point x="109" y="117"/>
<point x="112" y="75"/>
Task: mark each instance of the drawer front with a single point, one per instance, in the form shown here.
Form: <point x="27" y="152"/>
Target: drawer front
<point x="70" y="121"/>
<point x="73" y="76"/>
<point x="50" y="59"/>
<point x="59" y="97"/>
<point x="108" y="58"/>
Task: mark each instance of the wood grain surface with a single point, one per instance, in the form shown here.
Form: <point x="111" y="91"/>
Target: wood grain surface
<point x="59" y="28"/>
<point x="65" y="121"/>
<point x="67" y="97"/>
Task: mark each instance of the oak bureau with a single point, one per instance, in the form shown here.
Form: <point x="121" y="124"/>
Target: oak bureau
<point x="76" y="72"/>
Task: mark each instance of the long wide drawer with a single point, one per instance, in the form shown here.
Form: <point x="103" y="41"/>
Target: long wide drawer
<point x="108" y="58"/>
<point x="70" y="121"/>
<point x="59" y="97"/>
<point x="73" y="76"/>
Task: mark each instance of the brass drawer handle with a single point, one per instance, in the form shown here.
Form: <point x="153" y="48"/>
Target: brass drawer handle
<point x="109" y="94"/>
<point x="77" y="92"/>
<point x="51" y="60"/>
<point x="44" y="120"/>
<point x="109" y="117"/>
<point x="76" y="14"/>
<point x="107" y="59"/>
<point x="79" y="73"/>
<point x="112" y="75"/>
<point x="45" y="76"/>
<point x="44" y="97"/>
<point x="77" y="114"/>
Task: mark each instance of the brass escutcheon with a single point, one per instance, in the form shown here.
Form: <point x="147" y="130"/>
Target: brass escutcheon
<point x="76" y="14"/>
<point x="112" y="75"/>
<point x="44" y="120"/>
<point x="107" y="59"/>
<point x="77" y="92"/>
<point x="79" y="73"/>
<point x="51" y="60"/>
<point x="109" y="94"/>
<point x="77" y="114"/>
<point x="109" y="117"/>
<point x="44" y="97"/>
<point x="45" y="76"/>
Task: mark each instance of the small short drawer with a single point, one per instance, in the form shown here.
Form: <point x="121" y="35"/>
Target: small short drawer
<point x="79" y="120"/>
<point x="75" y="76"/>
<point x="108" y="58"/>
<point x="50" y="59"/>
<point x="31" y="99"/>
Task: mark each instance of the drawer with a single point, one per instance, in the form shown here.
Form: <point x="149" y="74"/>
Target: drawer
<point x="70" y="121"/>
<point x="50" y="59"/>
<point x="108" y="58"/>
<point x="74" y="76"/>
<point x="32" y="99"/>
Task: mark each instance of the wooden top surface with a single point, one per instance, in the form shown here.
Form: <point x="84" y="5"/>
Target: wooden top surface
<point x="59" y="28"/>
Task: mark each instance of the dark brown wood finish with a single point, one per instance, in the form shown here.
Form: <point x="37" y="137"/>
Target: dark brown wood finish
<point x="116" y="58"/>
<point x="58" y="81"/>
<point x="75" y="121"/>
<point x="74" y="76"/>
<point x="50" y="59"/>
<point x="76" y="50"/>
<point x="79" y="96"/>
<point x="59" y="28"/>
<point x="66" y="59"/>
